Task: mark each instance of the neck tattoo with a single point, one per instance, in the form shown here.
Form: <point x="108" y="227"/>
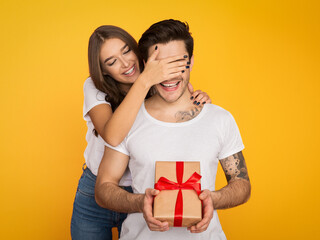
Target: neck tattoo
<point x="183" y="116"/>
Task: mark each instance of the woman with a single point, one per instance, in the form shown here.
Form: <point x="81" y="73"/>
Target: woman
<point x="112" y="98"/>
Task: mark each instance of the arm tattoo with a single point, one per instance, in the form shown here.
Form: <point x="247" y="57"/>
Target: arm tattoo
<point x="235" y="167"/>
<point x="183" y="116"/>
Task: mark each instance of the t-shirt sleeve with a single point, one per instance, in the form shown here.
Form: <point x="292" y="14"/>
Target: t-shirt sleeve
<point x="122" y="147"/>
<point x="231" y="138"/>
<point x="92" y="98"/>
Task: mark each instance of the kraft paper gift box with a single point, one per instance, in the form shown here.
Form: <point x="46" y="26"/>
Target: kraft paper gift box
<point x="189" y="207"/>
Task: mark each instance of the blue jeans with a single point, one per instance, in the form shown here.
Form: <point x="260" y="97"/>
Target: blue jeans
<point x="89" y="220"/>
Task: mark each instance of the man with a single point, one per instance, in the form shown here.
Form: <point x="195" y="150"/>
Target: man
<point x="170" y="128"/>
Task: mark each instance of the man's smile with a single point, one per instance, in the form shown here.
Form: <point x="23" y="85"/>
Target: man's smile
<point x="170" y="86"/>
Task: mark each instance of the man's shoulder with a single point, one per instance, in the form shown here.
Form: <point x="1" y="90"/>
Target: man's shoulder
<point x="216" y="111"/>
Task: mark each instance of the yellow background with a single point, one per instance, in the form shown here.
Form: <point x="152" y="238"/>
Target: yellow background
<point x="257" y="59"/>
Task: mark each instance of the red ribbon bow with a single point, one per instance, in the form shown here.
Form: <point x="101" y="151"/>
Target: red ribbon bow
<point x="192" y="183"/>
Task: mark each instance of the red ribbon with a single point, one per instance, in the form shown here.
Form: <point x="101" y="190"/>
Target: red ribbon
<point x="192" y="183"/>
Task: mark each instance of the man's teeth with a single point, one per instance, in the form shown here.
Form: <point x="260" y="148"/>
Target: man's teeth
<point x="170" y="84"/>
<point x="129" y="71"/>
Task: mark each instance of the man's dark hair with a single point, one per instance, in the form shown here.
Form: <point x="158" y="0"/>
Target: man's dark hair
<point x="164" y="32"/>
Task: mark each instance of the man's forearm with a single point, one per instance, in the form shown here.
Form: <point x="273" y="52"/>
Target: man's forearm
<point x="235" y="193"/>
<point x="111" y="196"/>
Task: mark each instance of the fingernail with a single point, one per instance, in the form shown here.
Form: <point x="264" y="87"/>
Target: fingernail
<point x="182" y="71"/>
<point x="156" y="48"/>
<point x="198" y="103"/>
<point x="187" y="66"/>
<point x="194" y="102"/>
<point x="185" y="56"/>
<point x="188" y="62"/>
<point x="191" y="98"/>
<point x="204" y="103"/>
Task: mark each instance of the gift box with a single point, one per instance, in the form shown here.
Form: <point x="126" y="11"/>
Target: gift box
<point x="178" y="202"/>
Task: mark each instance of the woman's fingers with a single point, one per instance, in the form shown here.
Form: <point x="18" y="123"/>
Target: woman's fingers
<point x="204" y="98"/>
<point x="176" y="58"/>
<point x="177" y="69"/>
<point x="200" y="97"/>
<point x="182" y="63"/>
<point x="194" y="96"/>
<point x="154" y="54"/>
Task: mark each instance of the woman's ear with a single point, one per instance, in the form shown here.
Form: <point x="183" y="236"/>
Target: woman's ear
<point x="191" y="62"/>
<point x="104" y="72"/>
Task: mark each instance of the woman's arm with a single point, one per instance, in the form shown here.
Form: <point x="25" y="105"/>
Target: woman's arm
<point x="119" y="125"/>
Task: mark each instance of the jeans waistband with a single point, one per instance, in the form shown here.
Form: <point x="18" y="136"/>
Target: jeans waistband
<point x="88" y="172"/>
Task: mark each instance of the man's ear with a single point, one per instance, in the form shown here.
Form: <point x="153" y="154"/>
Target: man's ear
<point x="191" y="62"/>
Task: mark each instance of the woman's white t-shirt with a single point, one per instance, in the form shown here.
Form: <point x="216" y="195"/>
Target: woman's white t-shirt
<point x="95" y="148"/>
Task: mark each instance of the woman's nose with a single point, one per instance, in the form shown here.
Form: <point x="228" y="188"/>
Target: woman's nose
<point x="125" y="62"/>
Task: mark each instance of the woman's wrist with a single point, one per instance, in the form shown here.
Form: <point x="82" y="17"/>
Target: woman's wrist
<point x="144" y="81"/>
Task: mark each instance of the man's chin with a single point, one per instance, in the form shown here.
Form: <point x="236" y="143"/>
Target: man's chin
<point x="168" y="98"/>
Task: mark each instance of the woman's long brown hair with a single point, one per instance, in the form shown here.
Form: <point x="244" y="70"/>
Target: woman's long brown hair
<point x="105" y="83"/>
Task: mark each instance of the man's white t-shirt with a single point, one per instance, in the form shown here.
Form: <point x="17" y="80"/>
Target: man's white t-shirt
<point x="95" y="148"/>
<point x="210" y="136"/>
